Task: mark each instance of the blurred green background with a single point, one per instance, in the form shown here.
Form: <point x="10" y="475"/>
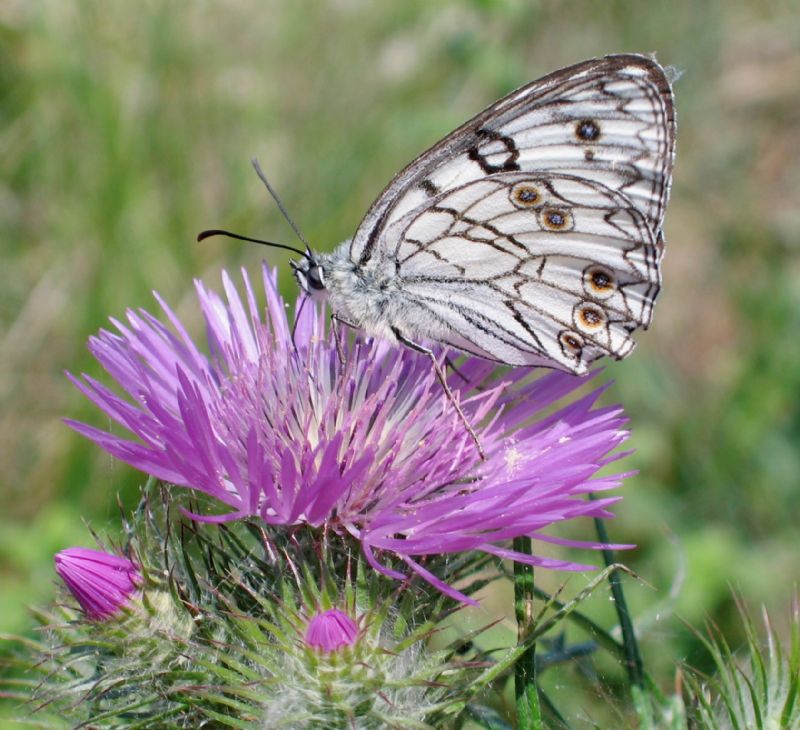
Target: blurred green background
<point x="126" y="128"/>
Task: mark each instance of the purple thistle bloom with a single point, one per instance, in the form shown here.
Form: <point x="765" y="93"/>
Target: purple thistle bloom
<point x="372" y="447"/>
<point x="331" y="630"/>
<point x="101" y="582"/>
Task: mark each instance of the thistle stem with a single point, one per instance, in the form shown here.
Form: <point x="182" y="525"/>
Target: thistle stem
<point x="529" y="716"/>
<point x="633" y="657"/>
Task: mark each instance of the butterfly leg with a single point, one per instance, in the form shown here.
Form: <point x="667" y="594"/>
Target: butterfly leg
<point x="335" y="322"/>
<point x="440" y="374"/>
<point x="449" y="363"/>
<point x="296" y="320"/>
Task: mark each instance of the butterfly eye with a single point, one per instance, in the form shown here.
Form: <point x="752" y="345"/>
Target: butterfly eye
<point x="589" y="317"/>
<point x="554" y="219"/>
<point x="525" y="195"/>
<point x="598" y="281"/>
<point x="316" y="278"/>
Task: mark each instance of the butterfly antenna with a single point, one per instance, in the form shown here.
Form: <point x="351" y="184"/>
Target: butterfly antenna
<point x="219" y="232"/>
<point x="275" y="197"/>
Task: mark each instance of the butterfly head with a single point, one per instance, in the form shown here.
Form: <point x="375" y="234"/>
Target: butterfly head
<point x="310" y="274"/>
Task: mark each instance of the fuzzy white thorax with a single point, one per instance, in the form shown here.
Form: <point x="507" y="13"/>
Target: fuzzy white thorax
<point x="369" y="297"/>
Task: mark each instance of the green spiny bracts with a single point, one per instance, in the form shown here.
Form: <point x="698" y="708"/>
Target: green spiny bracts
<point x="755" y="688"/>
<point x="219" y="636"/>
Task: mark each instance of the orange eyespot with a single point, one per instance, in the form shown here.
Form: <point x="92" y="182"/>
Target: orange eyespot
<point x="556" y="219"/>
<point x="525" y="195"/>
<point x="589" y="317"/>
<point x="599" y="281"/>
<point x="571" y="343"/>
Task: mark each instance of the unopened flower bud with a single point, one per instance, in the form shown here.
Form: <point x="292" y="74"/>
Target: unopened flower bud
<point x="101" y="582"/>
<point x="331" y="630"/>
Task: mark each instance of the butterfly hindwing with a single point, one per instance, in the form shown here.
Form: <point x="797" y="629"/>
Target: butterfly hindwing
<point x="529" y="269"/>
<point x="608" y="120"/>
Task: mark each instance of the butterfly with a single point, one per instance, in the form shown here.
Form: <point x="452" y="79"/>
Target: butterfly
<point x="531" y="235"/>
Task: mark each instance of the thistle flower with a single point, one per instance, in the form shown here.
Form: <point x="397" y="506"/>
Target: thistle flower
<point x="101" y="582"/>
<point x="331" y="630"/>
<point x="273" y="424"/>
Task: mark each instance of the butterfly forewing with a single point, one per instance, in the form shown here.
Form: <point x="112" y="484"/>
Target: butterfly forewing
<point x="609" y="120"/>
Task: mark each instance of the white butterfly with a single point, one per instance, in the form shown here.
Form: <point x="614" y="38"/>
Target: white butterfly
<point x="531" y="235"/>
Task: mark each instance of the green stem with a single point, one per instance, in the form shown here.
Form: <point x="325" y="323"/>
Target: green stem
<point x="633" y="656"/>
<point x="529" y="716"/>
<point x="513" y="654"/>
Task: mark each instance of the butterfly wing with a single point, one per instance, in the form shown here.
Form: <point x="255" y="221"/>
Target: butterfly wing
<point x="609" y="120"/>
<point x="529" y="269"/>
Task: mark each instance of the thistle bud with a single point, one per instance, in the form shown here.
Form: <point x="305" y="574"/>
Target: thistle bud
<point x="331" y="630"/>
<point x="101" y="582"/>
